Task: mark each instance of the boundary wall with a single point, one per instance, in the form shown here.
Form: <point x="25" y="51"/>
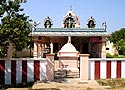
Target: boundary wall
<point x="22" y="70"/>
<point x="104" y="68"/>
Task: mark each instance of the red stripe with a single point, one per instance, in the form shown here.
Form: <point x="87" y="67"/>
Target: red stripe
<point x="36" y="70"/>
<point x="2" y="71"/>
<point x="118" y="75"/>
<point x="97" y="69"/>
<point x="24" y="71"/>
<point x="108" y="69"/>
<point x="13" y="72"/>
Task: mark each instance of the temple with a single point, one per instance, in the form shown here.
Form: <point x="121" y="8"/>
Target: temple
<point x="88" y="40"/>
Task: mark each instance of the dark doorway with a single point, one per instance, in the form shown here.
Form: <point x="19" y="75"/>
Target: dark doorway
<point x="55" y="47"/>
<point x="85" y="48"/>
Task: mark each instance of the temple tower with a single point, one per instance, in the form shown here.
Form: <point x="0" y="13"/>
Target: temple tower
<point x="70" y="20"/>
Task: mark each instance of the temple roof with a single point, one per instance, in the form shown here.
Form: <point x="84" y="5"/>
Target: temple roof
<point x="71" y="31"/>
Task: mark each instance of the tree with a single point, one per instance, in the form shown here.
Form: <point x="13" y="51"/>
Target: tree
<point x="16" y="31"/>
<point x="118" y="38"/>
<point x="15" y="26"/>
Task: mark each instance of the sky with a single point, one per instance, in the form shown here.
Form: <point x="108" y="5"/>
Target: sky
<point x="111" y="11"/>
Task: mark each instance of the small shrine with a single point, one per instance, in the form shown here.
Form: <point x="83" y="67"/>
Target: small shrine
<point x="68" y="57"/>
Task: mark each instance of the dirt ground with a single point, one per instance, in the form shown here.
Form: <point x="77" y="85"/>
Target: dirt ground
<point x="69" y="84"/>
<point x="64" y="84"/>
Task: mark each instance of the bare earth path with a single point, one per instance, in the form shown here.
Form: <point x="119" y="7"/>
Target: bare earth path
<point x="70" y="84"/>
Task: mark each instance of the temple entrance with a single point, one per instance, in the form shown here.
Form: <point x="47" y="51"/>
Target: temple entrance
<point x="63" y="72"/>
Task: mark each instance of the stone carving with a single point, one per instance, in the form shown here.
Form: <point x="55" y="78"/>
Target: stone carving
<point x="48" y="23"/>
<point x="91" y="23"/>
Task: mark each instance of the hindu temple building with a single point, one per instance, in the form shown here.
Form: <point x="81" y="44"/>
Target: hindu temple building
<point x="88" y="40"/>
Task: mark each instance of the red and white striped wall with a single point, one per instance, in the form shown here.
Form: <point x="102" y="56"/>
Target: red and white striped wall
<point x="106" y="68"/>
<point x="21" y="70"/>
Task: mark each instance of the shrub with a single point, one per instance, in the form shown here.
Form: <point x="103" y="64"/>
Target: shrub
<point x="108" y="55"/>
<point x="114" y="83"/>
<point x="115" y="56"/>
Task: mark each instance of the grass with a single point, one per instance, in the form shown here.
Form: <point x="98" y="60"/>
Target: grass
<point x="114" y="83"/>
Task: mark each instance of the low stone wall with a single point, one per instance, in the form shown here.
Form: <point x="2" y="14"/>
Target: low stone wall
<point x="22" y="70"/>
<point x="103" y="68"/>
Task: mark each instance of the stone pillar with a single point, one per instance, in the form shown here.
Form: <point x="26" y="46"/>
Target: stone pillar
<point x="39" y="51"/>
<point x="100" y="49"/>
<point x="35" y="52"/>
<point x="50" y="67"/>
<point x="9" y="50"/>
<point x="51" y="48"/>
<point x="84" y="66"/>
<point x="103" y="51"/>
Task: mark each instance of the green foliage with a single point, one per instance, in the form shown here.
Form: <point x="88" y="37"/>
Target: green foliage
<point x="118" y="38"/>
<point x="15" y="26"/>
<point x="102" y="82"/>
<point x="108" y="55"/>
<point x="115" y="56"/>
<point x="114" y="83"/>
<point x="3" y="50"/>
<point x="119" y="56"/>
